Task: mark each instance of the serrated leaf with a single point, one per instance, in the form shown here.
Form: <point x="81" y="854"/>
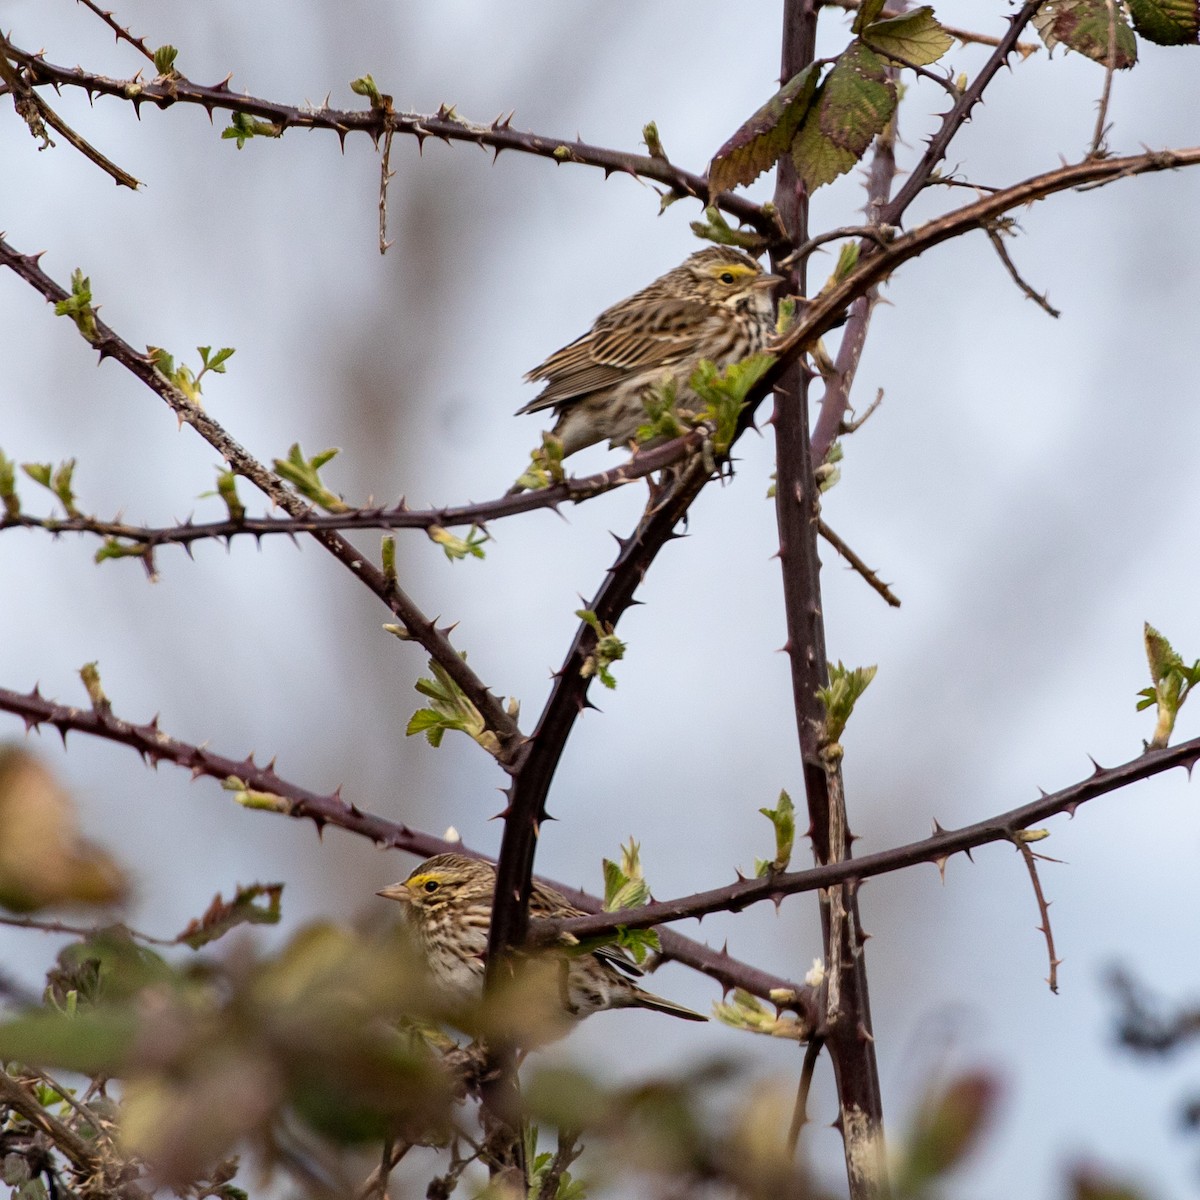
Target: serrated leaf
<point x="304" y="475"/>
<point x="1083" y="26"/>
<point x="1167" y="22"/>
<point x="764" y="139"/>
<point x="224" y="915"/>
<point x="852" y="106"/>
<point x="164" y="59"/>
<point x="818" y="161"/>
<point x="914" y="37"/>
<point x="868" y="11"/>
<point x="846" y="685"/>
<point x="858" y="99"/>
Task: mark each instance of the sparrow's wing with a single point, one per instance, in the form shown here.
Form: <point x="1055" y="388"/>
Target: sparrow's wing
<point x="637" y="335"/>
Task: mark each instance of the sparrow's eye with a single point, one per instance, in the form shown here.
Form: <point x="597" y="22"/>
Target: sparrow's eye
<point x="432" y="885"/>
<point x="727" y="276"/>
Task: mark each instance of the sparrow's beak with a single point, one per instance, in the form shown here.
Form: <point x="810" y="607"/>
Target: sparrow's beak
<point x="767" y="281"/>
<point x="396" y="891"/>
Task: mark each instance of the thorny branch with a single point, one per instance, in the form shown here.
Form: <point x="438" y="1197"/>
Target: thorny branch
<point x="573" y="490"/>
<point x="996" y="237"/>
<point x="957" y="116"/>
<point x="242" y="462"/>
<point x="1021" y="840"/>
<point x="1003" y="827"/>
<point x="445" y="125"/>
<point x="267" y="790"/>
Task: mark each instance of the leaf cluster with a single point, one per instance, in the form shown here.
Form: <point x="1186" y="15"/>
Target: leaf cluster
<point x="826" y="116"/>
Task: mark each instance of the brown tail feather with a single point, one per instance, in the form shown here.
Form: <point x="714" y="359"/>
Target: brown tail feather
<point x="645" y="999"/>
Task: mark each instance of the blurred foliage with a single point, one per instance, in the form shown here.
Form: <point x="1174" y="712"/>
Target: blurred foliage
<point x="44" y="860"/>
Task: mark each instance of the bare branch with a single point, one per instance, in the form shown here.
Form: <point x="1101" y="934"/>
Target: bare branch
<point x="858" y="565"/>
<point x="1110" y="69"/>
<point x="1021" y="840"/>
<point x="445" y="124"/>
<point x="997" y="240"/>
<point x="122" y="34"/>
<point x="31" y="107"/>
<point x="812" y="1052"/>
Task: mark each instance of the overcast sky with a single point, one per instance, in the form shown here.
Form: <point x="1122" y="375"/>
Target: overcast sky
<point x="1025" y="486"/>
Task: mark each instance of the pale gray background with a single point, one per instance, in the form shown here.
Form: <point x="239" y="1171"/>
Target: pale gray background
<point x="1027" y="485"/>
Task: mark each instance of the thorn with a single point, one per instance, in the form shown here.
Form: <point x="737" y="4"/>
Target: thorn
<point x="937" y="827"/>
<point x="1070" y="808"/>
<point x="1099" y="770"/>
<point x="940" y="863"/>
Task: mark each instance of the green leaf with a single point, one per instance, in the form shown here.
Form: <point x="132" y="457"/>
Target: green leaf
<point x="111" y="547"/>
<point x="783" y="818"/>
<point x="217" y="361"/>
<point x="653" y="142"/>
<point x="714" y="228"/>
<point x="852" y="107"/>
<point x="182" y="376"/>
<point x="913" y="38"/>
<point x="817" y="159"/>
<point x="1084" y="26"/>
<point x="946" y="1126"/>
<point x="1167" y="22"/>
<point x="242" y="128"/>
<point x="724" y="393"/>
<point x="857" y="101"/>
<point x="744" y="1011"/>
<point x="450" y="709"/>
<point x="765" y="138"/>
<point x="78" y="306"/>
<point x="56" y="480"/>
<point x="608" y="649"/>
<point x="222" y="915"/>
<point x="304" y="475"/>
<point x="545" y="465"/>
<point x="625" y="887"/>
<point x="1172" y="682"/>
<point x="164" y="60"/>
<point x="868" y="12"/>
<point x="93" y="1042"/>
<point x="846" y="685"/>
<point x="456" y="547"/>
<point x="366" y="86"/>
<point x="8" y="486"/>
<point x="227" y="490"/>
